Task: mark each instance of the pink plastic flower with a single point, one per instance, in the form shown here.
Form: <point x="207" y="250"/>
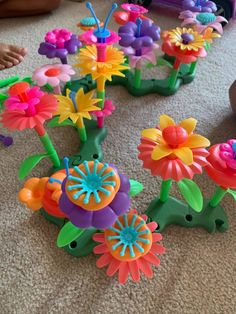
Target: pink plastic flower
<point x="106" y="111"/>
<point x="15" y="102"/>
<point x="228" y="153"/>
<point x="129" y="247"/>
<point x="88" y="38"/>
<point x="36" y="112"/>
<point x="58" y="37"/>
<point x="202" y="20"/>
<point x="134" y="8"/>
<point x="53" y="74"/>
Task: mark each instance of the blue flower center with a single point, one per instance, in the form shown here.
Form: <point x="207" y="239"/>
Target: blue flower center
<point x="206" y="18"/>
<point x="234" y="149"/>
<point x="128" y="236"/>
<point x="88" y="21"/>
<point x="91" y="182"/>
<point x="187" y="38"/>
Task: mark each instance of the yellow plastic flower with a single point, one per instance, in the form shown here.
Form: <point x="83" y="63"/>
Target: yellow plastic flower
<point x="186" y="38"/>
<point x="174" y="140"/>
<point x="76" y="106"/>
<point x="88" y="63"/>
<point x="209" y="35"/>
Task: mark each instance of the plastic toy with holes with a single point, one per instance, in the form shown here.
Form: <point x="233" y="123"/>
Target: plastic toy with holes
<point x="173" y="152"/>
<point x="80" y="200"/>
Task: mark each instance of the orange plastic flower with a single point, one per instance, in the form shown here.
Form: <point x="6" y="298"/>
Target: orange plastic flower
<point x="173" y="151"/>
<point x="92" y="185"/>
<point x="33" y="192"/>
<point x="129" y="246"/>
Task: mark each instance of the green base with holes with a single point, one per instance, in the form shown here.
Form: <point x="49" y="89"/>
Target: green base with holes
<point x="160" y="87"/>
<point x="79" y="247"/>
<point x="89" y="150"/>
<point x="173" y="211"/>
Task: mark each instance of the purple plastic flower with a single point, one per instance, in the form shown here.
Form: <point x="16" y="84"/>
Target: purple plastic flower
<point x="59" y="44"/>
<point x="199" y="6"/>
<point x="140" y="35"/>
<point x="92" y="178"/>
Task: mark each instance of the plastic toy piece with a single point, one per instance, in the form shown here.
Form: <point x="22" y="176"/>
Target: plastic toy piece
<point x="94" y="203"/>
<point x="6" y="140"/>
<point x="173" y="211"/>
<point x="58" y="44"/>
<point x="131" y="14"/>
<point x="128" y="247"/>
<point x="232" y="96"/>
<point x="199" y="6"/>
<point x="88" y="23"/>
<point x="53" y="75"/>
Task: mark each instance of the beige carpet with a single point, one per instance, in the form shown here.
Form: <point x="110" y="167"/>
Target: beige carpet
<point x="198" y="272"/>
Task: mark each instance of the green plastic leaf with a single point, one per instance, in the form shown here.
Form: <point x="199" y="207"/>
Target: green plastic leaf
<point x="54" y="122"/>
<point x="191" y="193"/>
<point x="68" y="233"/>
<point x="135" y="188"/>
<point x="233" y="193"/>
<point x="163" y="62"/>
<point x="28" y="165"/>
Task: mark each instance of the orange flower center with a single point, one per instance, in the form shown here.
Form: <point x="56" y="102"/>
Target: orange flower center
<point x="52" y="72"/>
<point x="174" y="135"/>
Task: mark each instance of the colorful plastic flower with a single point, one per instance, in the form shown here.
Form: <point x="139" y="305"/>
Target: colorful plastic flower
<point x="33" y="192"/>
<point x="209" y="35"/>
<point x="173" y="151"/>
<point x="186" y="45"/>
<point x="133" y="11"/>
<point x="199" y="6"/>
<point x="105" y="112"/>
<point x="94" y="195"/>
<point x="53" y="74"/>
<point x="58" y="44"/>
<point x="203" y="20"/>
<point x="27" y="107"/>
<point x="222" y="164"/>
<point x="139" y="35"/>
<point x="88" y="38"/>
<point x="88" y="23"/>
<point x="128" y="247"/>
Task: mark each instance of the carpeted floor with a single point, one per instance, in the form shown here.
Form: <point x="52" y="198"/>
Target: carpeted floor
<point x="198" y="272"/>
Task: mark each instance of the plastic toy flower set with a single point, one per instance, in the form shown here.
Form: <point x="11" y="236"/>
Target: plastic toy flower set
<point x="88" y="199"/>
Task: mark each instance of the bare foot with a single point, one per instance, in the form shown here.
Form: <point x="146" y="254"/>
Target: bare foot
<point x="11" y="55"/>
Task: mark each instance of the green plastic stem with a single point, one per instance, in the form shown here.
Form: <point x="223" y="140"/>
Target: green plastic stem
<point x="48" y="146"/>
<point x="137" y="77"/>
<point x="173" y="77"/>
<point x="218" y="196"/>
<point x="8" y="81"/>
<point x="82" y="134"/>
<point x="165" y="188"/>
<point x="192" y="68"/>
<point x="101" y="95"/>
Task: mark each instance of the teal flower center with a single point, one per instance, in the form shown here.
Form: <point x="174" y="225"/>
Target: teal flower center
<point x="129" y="236"/>
<point x="206" y="18"/>
<point x="88" y="21"/>
<point x="91" y="182"/>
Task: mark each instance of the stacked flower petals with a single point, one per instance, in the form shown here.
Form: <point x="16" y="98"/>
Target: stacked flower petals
<point x="131" y="14"/>
<point x="172" y="151"/>
<point x="94" y="195"/>
<point x="222" y="164"/>
<point x="129" y="246"/>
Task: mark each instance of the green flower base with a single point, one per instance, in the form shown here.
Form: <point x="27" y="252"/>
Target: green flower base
<point x="160" y="87"/>
<point x="91" y="149"/>
<point x="83" y="245"/>
<point x="173" y="211"/>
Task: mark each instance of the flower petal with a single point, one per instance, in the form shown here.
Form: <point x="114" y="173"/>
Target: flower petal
<point x="123" y="272"/>
<point x="189" y="125"/>
<point x="161" y="151"/>
<point x="134" y="270"/>
<point x="196" y="141"/>
<point x="185" y="154"/>
<point x="166" y="121"/>
<point x="152" y="134"/>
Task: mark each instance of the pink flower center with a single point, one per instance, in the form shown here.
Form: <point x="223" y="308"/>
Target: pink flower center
<point x="52" y="72"/>
<point x="228" y="153"/>
<point x="174" y="135"/>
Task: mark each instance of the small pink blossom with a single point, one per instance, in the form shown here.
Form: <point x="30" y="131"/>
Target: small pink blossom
<point x="88" y="38"/>
<point x="106" y="111"/>
<point x="134" y="8"/>
<point x="58" y="37"/>
<point x="228" y="153"/>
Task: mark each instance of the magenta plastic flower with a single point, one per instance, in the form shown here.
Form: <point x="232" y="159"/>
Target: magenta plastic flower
<point x="14" y="102"/>
<point x="106" y="111"/>
<point x="203" y="20"/>
<point x="228" y="153"/>
<point x="53" y="74"/>
<point x="134" y="8"/>
<point x="88" y="38"/>
<point x="58" y="37"/>
<point x="133" y="12"/>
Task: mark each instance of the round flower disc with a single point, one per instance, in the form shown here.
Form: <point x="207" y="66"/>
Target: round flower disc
<point x="92" y="185"/>
<point x="129" y="238"/>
